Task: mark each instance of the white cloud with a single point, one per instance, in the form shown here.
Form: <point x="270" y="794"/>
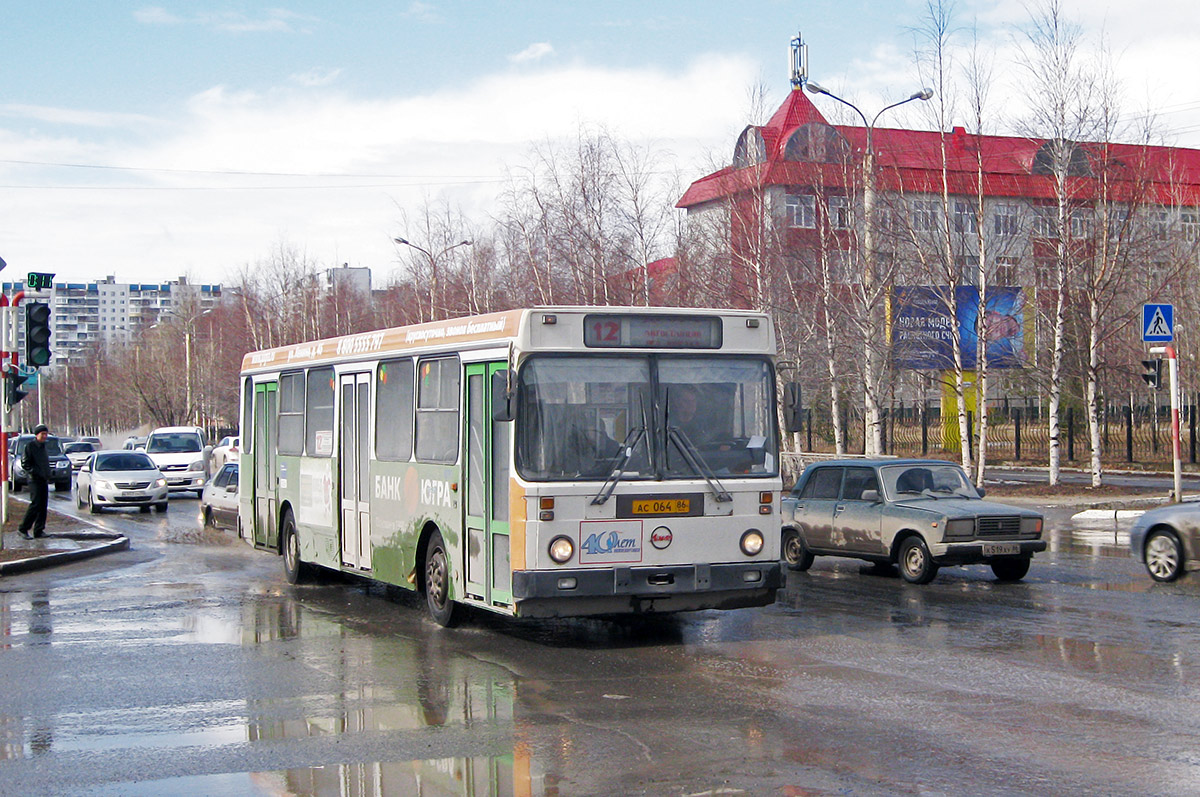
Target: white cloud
<point x="423" y="12"/>
<point x="219" y="183"/>
<point x="316" y="78"/>
<point x="276" y="20"/>
<point x="533" y="52"/>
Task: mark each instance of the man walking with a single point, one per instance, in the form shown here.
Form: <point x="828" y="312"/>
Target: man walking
<point x="36" y="463"/>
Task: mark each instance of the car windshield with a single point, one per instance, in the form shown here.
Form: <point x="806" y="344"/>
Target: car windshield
<point x="664" y="417"/>
<point x="173" y="443"/>
<point x="931" y="479"/>
<point x="124" y="461"/>
<point x="78" y="448"/>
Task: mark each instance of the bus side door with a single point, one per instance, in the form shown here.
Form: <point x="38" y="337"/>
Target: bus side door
<point x="266" y="402"/>
<point x="353" y="470"/>
<point x="486" y="473"/>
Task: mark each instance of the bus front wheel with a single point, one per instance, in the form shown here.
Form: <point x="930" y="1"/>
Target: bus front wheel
<point x="437" y="582"/>
<point x="295" y="570"/>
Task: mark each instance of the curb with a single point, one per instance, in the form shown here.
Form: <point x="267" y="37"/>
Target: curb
<point x="115" y="543"/>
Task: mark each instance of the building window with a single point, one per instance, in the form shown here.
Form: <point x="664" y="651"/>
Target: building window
<point x="1160" y="222"/>
<point x="1189" y="223"/>
<point x="1081" y="223"/>
<point x="964" y="216"/>
<point x="1045" y="221"/>
<point x="1117" y="219"/>
<point x="1007" y="271"/>
<point x="801" y="210"/>
<point x="1006" y="219"/>
<point x="925" y="215"/>
<point x="839" y="212"/>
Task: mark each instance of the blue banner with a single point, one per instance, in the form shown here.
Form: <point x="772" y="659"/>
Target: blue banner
<point x="922" y="330"/>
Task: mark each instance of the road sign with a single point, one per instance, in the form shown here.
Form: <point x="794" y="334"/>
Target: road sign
<point x="1158" y="323"/>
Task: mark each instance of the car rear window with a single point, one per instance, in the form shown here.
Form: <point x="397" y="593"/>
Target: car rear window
<point x="173" y="443"/>
<point x="124" y="461"/>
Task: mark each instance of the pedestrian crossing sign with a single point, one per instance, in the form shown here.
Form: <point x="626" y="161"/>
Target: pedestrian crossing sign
<point x="1158" y="323"/>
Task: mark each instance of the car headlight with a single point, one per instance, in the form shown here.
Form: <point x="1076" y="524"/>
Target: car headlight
<point x="963" y="527"/>
<point x="561" y="549"/>
<point x="101" y="484"/>
<point x="160" y="483"/>
<point x="751" y="542"/>
<point x="197" y="465"/>
<point x="1031" y="525"/>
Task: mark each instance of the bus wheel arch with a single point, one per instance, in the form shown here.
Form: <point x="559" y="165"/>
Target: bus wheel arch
<point x="294" y="567"/>
<point x="436" y="576"/>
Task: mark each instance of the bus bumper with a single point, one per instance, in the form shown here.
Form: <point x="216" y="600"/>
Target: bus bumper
<point x="644" y="590"/>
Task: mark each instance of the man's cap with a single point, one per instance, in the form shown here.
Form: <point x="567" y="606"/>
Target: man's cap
<point x="41" y="427"/>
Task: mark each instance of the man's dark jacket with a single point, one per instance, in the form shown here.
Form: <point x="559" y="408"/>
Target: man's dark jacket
<point x="36" y="461"/>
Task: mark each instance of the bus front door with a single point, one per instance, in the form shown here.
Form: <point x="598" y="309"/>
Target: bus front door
<point x="266" y="399"/>
<point x="354" y="474"/>
<point x="487" y="567"/>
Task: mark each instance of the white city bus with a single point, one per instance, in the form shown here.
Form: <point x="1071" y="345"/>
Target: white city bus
<point x="536" y="463"/>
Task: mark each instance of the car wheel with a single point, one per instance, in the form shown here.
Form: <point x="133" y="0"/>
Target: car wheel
<point x="1011" y="569"/>
<point x="437" y="582"/>
<point x="160" y="507"/>
<point x="62" y="487"/>
<point x="1164" y="556"/>
<point x="15" y="486"/>
<point x="208" y="517"/>
<point x="92" y="507"/>
<point x="144" y="509"/>
<point x="795" y="554"/>
<point x="78" y="497"/>
<point x="295" y="570"/>
<point x="916" y="565"/>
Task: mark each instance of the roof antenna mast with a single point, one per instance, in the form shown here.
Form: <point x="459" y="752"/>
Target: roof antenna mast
<point x="799" y="62"/>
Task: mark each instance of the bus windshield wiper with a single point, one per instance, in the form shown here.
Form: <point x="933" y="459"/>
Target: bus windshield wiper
<point x="617" y="464"/>
<point x="696" y="460"/>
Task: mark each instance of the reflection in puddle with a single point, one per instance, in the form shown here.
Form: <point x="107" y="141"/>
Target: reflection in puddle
<point x="496" y="776"/>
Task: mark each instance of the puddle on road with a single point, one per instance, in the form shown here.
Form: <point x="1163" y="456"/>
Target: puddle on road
<point x="478" y="776"/>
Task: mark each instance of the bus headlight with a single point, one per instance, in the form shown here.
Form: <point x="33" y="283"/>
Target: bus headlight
<point x="752" y="542"/>
<point x="561" y="549"/>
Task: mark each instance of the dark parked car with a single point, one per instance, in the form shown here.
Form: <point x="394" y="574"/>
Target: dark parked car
<point x="60" y="466"/>
<point x="918" y="514"/>
<point x="1167" y="540"/>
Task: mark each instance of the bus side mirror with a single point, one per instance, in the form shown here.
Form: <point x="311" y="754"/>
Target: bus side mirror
<point x="793" y="408"/>
<point x="502" y="398"/>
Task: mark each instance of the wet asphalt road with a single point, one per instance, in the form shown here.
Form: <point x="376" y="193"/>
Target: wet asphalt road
<point x="187" y="665"/>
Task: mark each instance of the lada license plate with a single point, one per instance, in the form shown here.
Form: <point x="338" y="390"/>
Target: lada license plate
<point x="1001" y="548"/>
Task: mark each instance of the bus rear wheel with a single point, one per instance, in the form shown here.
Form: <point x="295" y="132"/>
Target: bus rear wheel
<point x="437" y="582"/>
<point x="295" y="570"/>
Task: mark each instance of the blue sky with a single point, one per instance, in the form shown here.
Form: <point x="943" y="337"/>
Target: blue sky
<point x="154" y="140"/>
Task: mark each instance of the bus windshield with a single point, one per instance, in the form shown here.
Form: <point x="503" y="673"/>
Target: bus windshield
<point x="583" y="417"/>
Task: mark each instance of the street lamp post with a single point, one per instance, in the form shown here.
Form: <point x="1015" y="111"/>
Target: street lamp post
<point x="433" y="267"/>
<point x="874" y="441"/>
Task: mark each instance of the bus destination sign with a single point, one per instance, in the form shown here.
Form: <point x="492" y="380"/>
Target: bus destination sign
<point x="651" y="332"/>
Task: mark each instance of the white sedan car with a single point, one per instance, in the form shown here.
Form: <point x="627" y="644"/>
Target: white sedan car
<point x="79" y="452"/>
<point x="120" y="478"/>
<point x="228" y="450"/>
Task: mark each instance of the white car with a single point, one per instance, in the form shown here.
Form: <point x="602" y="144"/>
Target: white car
<point x="228" y="450"/>
<point x="120" y="478"/>
<point x="180" y="453"/>
<point x="219" y="502"/>
<point x="78" y="452"/>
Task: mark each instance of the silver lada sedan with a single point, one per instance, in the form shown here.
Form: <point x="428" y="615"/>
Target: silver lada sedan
<point x="918" y="514"/>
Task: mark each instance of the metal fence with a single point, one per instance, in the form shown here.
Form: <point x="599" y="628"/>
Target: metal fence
<point x="1138" y="436"/>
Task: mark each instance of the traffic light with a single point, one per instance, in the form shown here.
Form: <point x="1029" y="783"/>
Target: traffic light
<point x="1153" y="374"/>
<point x="37" y="334"/>
<point x="12" y="387"/>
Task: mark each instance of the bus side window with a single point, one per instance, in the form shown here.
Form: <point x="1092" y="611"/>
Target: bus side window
<point x="437" y="409"/>
<point x="394" y="410"/>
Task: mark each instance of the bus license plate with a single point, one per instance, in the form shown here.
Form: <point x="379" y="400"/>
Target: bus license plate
<point x="662" y="506"/>
<point x="1001" y="548"/>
